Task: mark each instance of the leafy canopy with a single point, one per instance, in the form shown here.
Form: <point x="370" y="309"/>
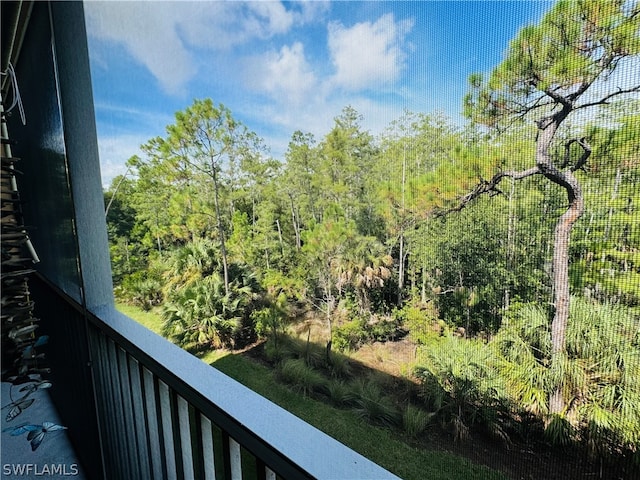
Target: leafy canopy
<point x="577" y="44"/>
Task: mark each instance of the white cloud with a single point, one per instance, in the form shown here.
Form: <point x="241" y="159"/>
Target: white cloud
<point x="114" y="151"/>
<point x="311" y="11"/>
<point x="269" y="18"/>
<point x="149" y="34"/>
<point x="285" y="75"/>
<point x="159" y="34"/>
<point x="368" y="54"/>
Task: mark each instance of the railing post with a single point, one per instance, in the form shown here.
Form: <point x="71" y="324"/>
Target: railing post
<point x="185" y="439"/>
<point x="152" y="423"/>
<point x="207" y="448"/>
<point x="235" y="456"/>
<point x="167" y="430"/>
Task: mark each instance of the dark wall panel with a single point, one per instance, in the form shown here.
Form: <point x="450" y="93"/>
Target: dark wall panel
<point x="44" y="185"/>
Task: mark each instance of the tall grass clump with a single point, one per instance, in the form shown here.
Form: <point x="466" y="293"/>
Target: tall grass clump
<point x="341" y="394"/>
<point x="339" y="366"/>
<point x="301" y="377"/>
<point x="373" y="405"/>
<point x="415" y="420"/>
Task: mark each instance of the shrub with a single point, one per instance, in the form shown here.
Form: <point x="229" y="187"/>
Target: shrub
<point x="142" y="289"/>
<point x="559" y="431"/>
<point x="311" y="353"/>
<point x="275" y="352"/>
<point x="599" y="375"/>
<point x="366" y="328"/>
<point x="421" y="321"/>
<point x="202" y="315"/>
<point x="339" y="366"/>
<point x="269" y="322"/>
<point x="384" y="328"/>
<point x="350" y="336"/>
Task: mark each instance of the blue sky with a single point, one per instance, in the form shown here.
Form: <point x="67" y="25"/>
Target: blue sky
<point x="286" y="66"/>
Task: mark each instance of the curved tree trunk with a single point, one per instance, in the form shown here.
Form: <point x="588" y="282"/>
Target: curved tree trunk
<point x="562" y="235"/>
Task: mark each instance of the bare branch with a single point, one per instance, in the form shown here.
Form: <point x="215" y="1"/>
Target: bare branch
<point x="606" y="98"/>
<point x="580" y="163"/>
<point x="586" y="153"/>
<point x="490" y="187"/>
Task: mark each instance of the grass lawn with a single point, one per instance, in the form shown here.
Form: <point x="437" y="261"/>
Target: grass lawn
<point x="383" y="446"/>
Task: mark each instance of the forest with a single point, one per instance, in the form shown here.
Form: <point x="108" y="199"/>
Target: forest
<point x="506" y="251"/>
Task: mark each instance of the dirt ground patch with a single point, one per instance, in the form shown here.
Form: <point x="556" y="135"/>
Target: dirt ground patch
<point x="394" y="358"/>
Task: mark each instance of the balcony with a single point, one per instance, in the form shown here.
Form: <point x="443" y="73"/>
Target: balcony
<point x="135" y="405"/>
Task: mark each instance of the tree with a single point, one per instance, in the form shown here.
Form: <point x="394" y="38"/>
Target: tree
<point x="338" y="258"/>
<point x="205" y="141"/>
<point x="551" y="71"/>
<point x="347" y="155"/>
<point x="298" y="182"/>
<point x="409" y="178"/>
<point x="605" y="261"/>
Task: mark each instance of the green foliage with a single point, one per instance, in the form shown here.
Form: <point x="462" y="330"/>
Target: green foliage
<point x="301" y="377"/>
<point x="373" y="405"/>
<point x="382" y="445"/>
<point x="349" y="336"/>
<point x="460" y="384"/>
<point x="366" y="329"/>
<point x="201" y="315"/>
<point x="559" y="431"/>
<point x="576" y="43"/>
<point x="415" y="420"/>
<point x="470" y="275"/>
<point x="142" y="289"/>
<point x="599" y="375"/>
<point x="341" y="394"/>
<point x="339" y="366"/>
<point x="605" y="257"/>
<point x="421" y="321"/>
<point x="271" y="321"/>
<point x="199" y="311"/>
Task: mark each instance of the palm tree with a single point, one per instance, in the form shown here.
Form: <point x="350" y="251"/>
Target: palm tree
<point x="202" y="315"/>
<point x="201" y="311"/>
<point x="601" y="370"/>
<point x="367" y="267"/>
<point x="192" y="262"/>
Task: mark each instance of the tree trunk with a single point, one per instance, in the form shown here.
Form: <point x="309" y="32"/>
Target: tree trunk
<point x="401" y="270"/>
<point x="562" y="234"/>
<point x="296" y="225"/>
<point x="280" y="237"/>
<point x="401" y="266"/>
<point x="330" y="303"/>
<point x="223" y="247"/>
